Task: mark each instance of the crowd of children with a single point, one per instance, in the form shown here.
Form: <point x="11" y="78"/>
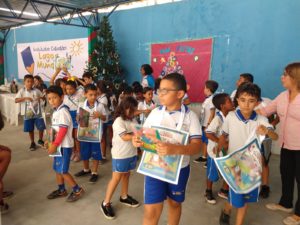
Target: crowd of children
<point x="224" y="126"/>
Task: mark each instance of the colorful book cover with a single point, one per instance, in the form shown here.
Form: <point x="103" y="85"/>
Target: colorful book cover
<point x="89" y="129"/>
<point x="32" y="110"/>
<point x="242" y="169"/>
<point x="51" y="137"/>
<point x="147" y="136"/>
<point x="165" y="168"/>
<point x="28" y="60"/>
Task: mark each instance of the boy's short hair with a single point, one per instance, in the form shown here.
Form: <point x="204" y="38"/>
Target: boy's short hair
<point x="220" y="99"/>
<point x="248" y="77"/>
<point x="212" y="85"/>
<point x="28" y="76"/>
<point x="136" y="83"/>
<point x="128" y="90"/>
<point x="90" y="87"/>
<point x="146" y="89"/>
<point x="250" y="89"/>
<point x="157" y="83"/>
<point x="147" y="68"/>
<point x="72" y="83"/>
<point x="87" y="74"/>
<point x="178" y="80"/>
<point x="138" y="89"/>
<point x="58" y="81"/>
<point x="55" y="89"/>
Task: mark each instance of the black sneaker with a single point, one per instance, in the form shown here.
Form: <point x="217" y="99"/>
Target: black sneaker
<point x="41" y="143"/>
<point x="130" y="201"/>
<point x="74" y="196"/>
<point x="209" y="197"/>
<point x="32" y="146"/>
<point x="200" y="160"/>
<point x="265" y="191"/>
<point x="82" y="173"/>
<point x="224" y="219"/>
<point x="93" y="178"/>
<point x="223" y="193"/>
<point x="205" y="165"/>
<point x="57" y="194"/>
<point x="7" y="194"/>
<point x="108" y="211"/>
<point x="4" y="208"/>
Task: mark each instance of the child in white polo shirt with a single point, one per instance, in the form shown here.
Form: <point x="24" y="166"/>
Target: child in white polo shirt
<point x="124" y="156"/>
<point x="238" y="126"/>
<point x="62" y="124"/>
<point x="172" y="114"/>
<point x="146" y="106"/>
<point x="223" y="103"/>
<point x="89" y="149"/>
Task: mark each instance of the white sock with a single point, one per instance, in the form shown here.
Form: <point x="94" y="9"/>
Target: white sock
<point x="86" y="170"/>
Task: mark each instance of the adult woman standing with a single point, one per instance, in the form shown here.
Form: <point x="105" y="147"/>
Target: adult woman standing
<point x="287" y="106"/>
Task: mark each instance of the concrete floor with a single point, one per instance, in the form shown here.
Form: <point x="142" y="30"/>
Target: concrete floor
<point x="31" y="178"/>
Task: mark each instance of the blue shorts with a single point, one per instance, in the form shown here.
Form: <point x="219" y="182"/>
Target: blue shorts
<point x="38" y="122"/>
<point x="239" y="200"/>
<point x="203" y="137"/>
<point x="124" y="165"/>
<point x="61" y="164"/>
<point x="156" y="191"/>
<point x="90" y="150"/>
<point x="212" y="170"/>
<point x="74" y="121"/>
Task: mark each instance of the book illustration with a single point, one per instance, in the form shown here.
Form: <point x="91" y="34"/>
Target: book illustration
<point x="241" y="169"/>
<point x="32" y="109"/>
<point x="147" y="136"/>
<point x="51" y="138"/>
<point x="89" y="128"/>
<point x="28" y="60"/>
<point x="84" y="117"/>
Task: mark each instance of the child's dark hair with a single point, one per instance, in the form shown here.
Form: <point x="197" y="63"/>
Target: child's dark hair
<point x="72" y="83"/>
<point x="147" y="68"/>
<point x="220" y="99"/>
<point x="87" y="74"/>
<point x="178" y="80"/>
<point x="28" y="76"/>
<point x="250" y="89"/>
<point x="212" y="85"/>
<point x="59" y="81"/>
<point x="127" y="103"/>
<point x="146" y="89"/>
<point x="55" y="89"/>
<point x="135" y="83"/>
<point x="128" y="90"/>
<point x="103" y="87"/>
<point x="248" y="77"/>
<point x="138" y="89"/>
<point x="90" y="87"/>
<point x="38" y="78"/>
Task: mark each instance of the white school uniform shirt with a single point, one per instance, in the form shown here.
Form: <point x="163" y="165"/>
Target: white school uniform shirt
<point x="171" y="119"/>
<point x="96" y="108"/>
<point x="33" y="93"/>
<point x="156" y="98"/>
<point x="122" y="149"/>
<point x="207" y="106"/>
<point x="61" y="118"/>
<point x="233" y="94"/>
<point x="143" y="106"/>
<point x="104" y="101"/>
<point x="238" y="129"/>
<point x="215" y="127"/>
<point x="72" y="101"/>
<point x="263" y="103"/>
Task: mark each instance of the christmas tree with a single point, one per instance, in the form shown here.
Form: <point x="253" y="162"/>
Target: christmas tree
<point x="104" y="60"/>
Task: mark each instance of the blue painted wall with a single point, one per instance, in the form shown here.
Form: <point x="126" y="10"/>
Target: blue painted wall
<point x="254" y="36"/>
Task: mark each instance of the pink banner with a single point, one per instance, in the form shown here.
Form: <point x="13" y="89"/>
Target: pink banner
<point x="190" y="58"/>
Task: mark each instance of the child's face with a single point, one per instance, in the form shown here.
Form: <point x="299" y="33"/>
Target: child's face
<point x="142" y="70"/>
<point x="247" y="103"/>
<point x="168" y="94"/>
<point x="36" y="82"/>
<point x="28" y="83"/>
<point x="206" y="91"/>
<point x="63" y="86"/>
<point x="70" y="89"/>
<point x="240" y="81"/>
<point x="148" y="96"/>
<point x="54" y="100"/>
<point x="227" y="106"/>
<point x="139" y="96"/>
<point x="88" y="80"/>
<point x="91" y="96"/>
